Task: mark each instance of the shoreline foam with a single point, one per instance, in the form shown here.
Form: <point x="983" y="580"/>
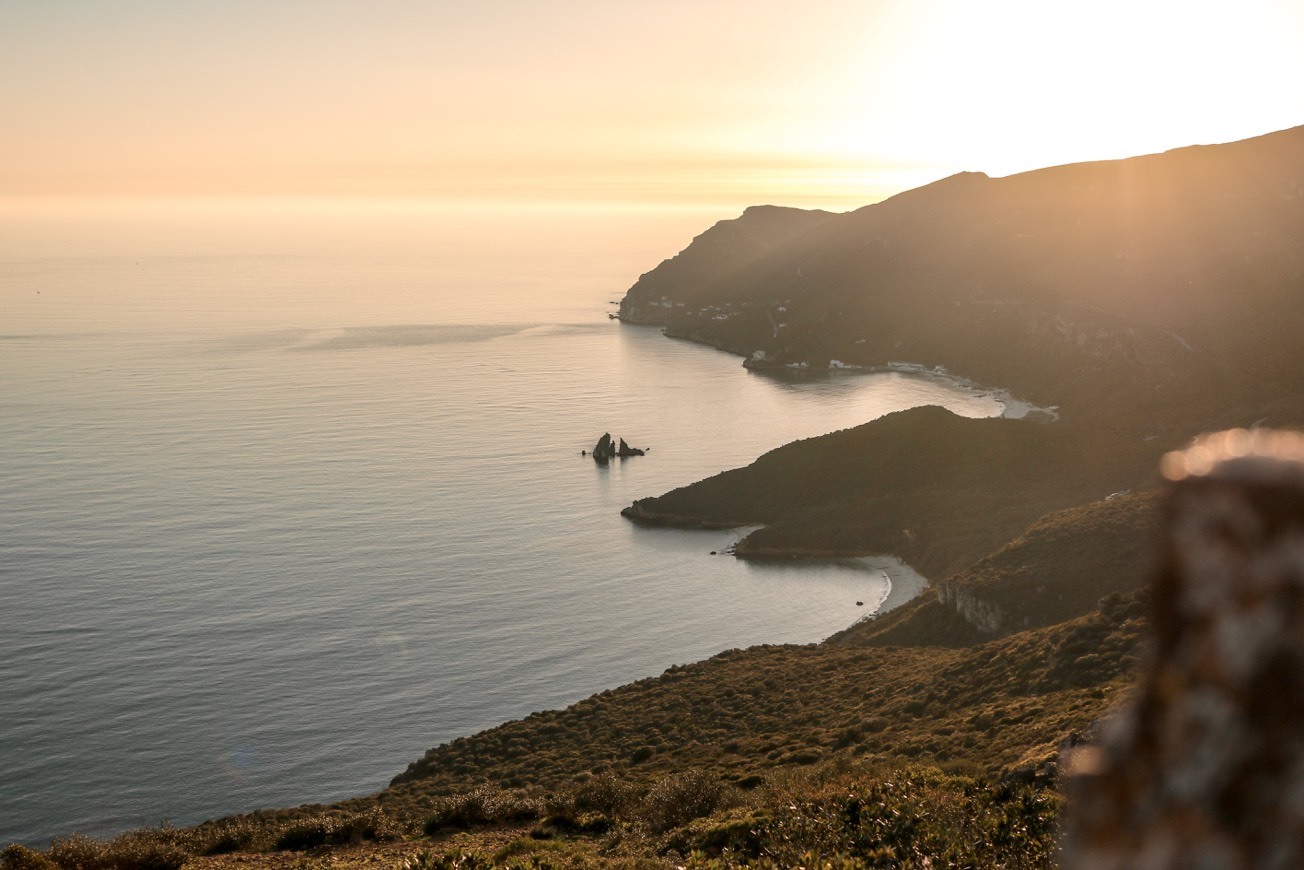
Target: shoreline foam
<point x="904" y="583"/>
<point x="1015" y="409"/>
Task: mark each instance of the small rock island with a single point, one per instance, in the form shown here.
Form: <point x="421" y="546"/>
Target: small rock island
<point x="608" y="448"/>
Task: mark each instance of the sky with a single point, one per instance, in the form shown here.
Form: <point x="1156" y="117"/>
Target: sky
<point x="831" y="103"/>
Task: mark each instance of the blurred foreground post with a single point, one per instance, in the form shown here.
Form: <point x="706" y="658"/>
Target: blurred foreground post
<point x="1205" y="768"/>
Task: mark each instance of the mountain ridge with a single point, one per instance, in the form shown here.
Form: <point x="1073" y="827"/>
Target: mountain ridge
<point x="1067" y="285"/>
<point x="1148" y="299"/>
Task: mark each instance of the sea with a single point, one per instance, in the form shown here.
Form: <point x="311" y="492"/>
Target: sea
<point x="292" y="491"/>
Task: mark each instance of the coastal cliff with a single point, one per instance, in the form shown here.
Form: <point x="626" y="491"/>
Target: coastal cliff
<point x="663" y="294"/>
<point x="1137" y="291"/>
<point x="1147" y="300"/>
<point x="934" y="488"/>
<point x="1057" y="569"/>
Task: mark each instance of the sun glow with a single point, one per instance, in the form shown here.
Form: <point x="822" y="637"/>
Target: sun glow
<point x="1010" y="85"/>
<point x="838" y="103"/>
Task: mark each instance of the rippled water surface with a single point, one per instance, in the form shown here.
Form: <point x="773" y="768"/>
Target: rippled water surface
<point x="288" y="497"/>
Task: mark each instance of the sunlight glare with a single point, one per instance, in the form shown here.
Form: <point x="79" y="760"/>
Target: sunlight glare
<point x="1012" y="85"/>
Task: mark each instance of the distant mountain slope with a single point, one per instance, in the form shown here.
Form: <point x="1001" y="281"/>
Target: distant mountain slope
<point x="1146" y="289"/>
<point x="726" y="248"/>
<point x="934" y="488"/>
<point x="1150" y="299"/>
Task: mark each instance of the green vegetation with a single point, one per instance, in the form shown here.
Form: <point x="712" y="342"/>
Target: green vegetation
<point x="744" y="713"/>
<point x="939" y="490"/>
<point x="169" y="848"/>
<point x="864" y="814"/>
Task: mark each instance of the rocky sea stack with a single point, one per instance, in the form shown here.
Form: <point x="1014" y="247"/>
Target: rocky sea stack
<point x="609" y="448"/>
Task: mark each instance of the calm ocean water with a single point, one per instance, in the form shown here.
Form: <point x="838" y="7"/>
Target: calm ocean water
<point x="290" y="494"/>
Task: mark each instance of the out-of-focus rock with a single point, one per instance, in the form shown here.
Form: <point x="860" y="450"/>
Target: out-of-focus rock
<point x="1205" y="768"/>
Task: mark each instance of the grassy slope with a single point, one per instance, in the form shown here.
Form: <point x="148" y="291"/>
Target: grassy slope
<point x="1066" y="562"/>
<point x="936" y="489"/>
<point x="995" y="705"/>
<point x="1058" y="569"/>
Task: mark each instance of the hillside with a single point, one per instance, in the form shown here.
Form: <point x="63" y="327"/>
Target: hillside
<point x="1162" y="290"/>
<point x="992" y="706"/>
<point x="1056" y="570"/>
<point x="933" y="488"/>
<point x="1147" y="299"/>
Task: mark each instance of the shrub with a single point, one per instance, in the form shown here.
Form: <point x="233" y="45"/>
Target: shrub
<point x="460" y="860"/>
<point x="480" y="806"/>
<point x="79" y="853"/>
<point x="591" y="824"/>
<point x="134" y="850"/>
<point x="330" y="830"/>
<point x="606" y="794"/>
<point x="308" y="833"/>
<point x="911" y="816"/>
<point x="680" y="798"/>
<point x="228" y="835"/>
<point x="18" y="857"/>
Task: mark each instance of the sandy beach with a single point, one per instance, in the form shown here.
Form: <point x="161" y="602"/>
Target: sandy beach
<point x="905" y="582"/>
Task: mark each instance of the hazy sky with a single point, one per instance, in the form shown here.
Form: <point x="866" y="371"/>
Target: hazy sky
<point x="830" y="102"/>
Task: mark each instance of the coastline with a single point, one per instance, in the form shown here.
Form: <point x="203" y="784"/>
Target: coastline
<point x="905" y="584"/>
<point x="1015" y="408"/>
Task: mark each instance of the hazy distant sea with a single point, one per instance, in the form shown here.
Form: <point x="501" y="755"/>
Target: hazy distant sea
<point x="290" y="493"/>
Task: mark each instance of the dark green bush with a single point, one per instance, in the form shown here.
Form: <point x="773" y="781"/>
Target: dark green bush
<point x="642" y="754"/>
<point x="325" y="829"/>
<point x="308" y="833"/>
<point x="606" y="794"/>
<point x="680" y="798"/>
<point x="238" y="834"/>
<point x="18" y="857"/>
<point x="480" y="806"/>
<point x="134" y="850"/>
<point x="590" y="824"/>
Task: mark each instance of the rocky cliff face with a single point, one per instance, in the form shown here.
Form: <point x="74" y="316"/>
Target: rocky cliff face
<point x="986" y="616"/>
<point x="1057" y="569"/>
